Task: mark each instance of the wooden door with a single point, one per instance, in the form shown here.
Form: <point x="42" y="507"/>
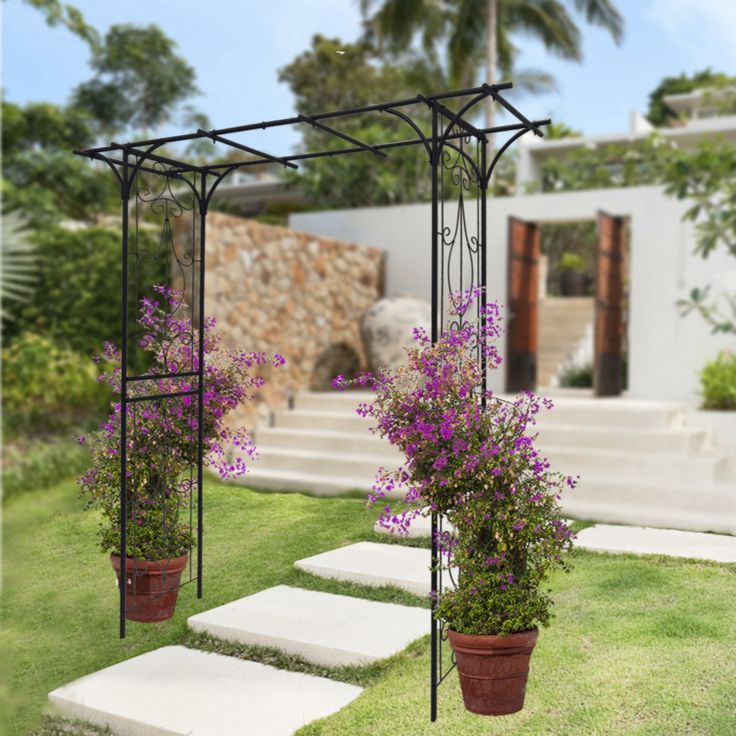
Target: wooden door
<point x="609" y="306"/>
<point x="523" y="295"/>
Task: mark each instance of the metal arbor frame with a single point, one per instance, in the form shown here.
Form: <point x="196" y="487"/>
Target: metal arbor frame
<point x="458" y="154"/>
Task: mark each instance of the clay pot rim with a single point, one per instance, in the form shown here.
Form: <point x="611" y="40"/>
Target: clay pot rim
<point x="171" y="564"/>
<point x="494" y="641"/>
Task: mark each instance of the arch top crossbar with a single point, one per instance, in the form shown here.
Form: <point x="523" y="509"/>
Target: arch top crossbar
<point x="457" y="126"/>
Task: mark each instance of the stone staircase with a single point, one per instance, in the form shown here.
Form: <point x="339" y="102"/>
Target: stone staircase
<point x="563" y="322"/>
<point x="639" y="462"/>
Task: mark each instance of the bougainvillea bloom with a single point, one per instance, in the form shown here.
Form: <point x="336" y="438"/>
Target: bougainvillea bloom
<point x="162" y="434"/>
<point x="470" y="456"/>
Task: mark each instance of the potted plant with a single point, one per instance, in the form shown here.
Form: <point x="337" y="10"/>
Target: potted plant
<point x="573" y="275"/>
<point x="471" y="458"/>
<point x="161" y="441"/>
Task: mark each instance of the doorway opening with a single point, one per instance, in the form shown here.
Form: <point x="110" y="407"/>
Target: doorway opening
<point x="568" y="305"/>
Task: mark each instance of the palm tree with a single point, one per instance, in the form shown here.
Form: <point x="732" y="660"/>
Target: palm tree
<point x="474" y="30"/>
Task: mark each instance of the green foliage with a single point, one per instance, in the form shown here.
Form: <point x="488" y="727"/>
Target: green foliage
<point x="577" y="376"/>
<point x="602" y="167"/>
<point x="704" y="176"/>
<point x="34" y="465"/>
<point x="718" y="382"/>
<point x="77" y="297"/>
<point x="139" y="79"/>
<point x="660" y="114"/>
<point x="572" y="262"/>
<point x="41" y="177"/>
<point x="47" y="388"/>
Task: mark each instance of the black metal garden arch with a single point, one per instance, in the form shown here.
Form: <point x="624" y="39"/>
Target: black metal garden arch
<point x="457" y="153"/>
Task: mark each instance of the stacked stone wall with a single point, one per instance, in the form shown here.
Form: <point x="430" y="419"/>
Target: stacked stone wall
<point x="282" y="291"/>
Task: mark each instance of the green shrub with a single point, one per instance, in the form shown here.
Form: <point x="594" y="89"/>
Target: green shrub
<point x="29" y="467"/>
<point x="47" y="388"/>
<point x="718" y="382"/>
<point x="572" y="262"/>
<point x="577" y="376"/>
<point x="76" y="300"/>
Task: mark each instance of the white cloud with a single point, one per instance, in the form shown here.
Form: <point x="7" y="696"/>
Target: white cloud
<point x="705" y="30"/>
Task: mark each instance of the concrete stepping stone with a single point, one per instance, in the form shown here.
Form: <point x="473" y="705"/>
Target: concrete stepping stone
<point x="646" y="540"/>
<point x="323" y="628"/>
<point x="175" y="691"/>
<point x="369" y="563"/>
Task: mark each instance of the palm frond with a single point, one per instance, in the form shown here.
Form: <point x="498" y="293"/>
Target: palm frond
<point x="18" y="268"/>
<point x="547" y="20"/>
<point x="602" y="13"/>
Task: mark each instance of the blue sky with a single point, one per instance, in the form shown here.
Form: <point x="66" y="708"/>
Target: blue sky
<point x="237" y="46"/>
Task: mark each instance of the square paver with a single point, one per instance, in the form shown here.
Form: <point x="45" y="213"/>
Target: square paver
<point x="323" y="628"/>
<point x="175" y="691"/>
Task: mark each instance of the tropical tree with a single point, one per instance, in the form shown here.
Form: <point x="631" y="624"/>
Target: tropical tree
<point x="139" y="79"/>
<point x="477" y="31"/>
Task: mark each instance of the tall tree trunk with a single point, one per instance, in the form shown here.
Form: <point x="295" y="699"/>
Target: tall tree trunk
<point x="491" y="59"/>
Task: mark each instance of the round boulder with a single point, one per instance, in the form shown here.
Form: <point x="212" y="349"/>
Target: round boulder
<point x="387" y="329"/>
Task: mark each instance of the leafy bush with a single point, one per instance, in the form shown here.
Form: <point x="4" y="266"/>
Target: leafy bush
<point x="718" y="382"/>
<point x="47" y="388"/>
<point x="572" y="262"/>
<point x="30" y="467"/>
<point x="577" y="376"/>
<point x="76" y="301"/>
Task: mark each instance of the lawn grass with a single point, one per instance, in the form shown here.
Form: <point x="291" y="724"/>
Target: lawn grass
<point x="638" y="645"/>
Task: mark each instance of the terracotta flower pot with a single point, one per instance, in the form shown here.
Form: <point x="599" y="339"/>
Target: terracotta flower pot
<point x="151" y="587"/>
<point x="493" y="670"/>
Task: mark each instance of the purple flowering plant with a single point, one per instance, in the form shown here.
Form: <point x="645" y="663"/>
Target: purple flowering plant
<point x="472" y="459"/>
<point x="162" y="434"/>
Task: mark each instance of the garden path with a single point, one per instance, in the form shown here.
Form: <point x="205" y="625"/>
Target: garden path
<point x="176" y="691"/>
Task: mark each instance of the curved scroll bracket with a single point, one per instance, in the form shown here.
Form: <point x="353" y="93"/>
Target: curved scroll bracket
<point x="499" y="153"/>
<point x="414" y="127"/>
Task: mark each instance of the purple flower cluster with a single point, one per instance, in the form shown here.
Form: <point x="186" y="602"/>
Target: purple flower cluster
<point x="162" y="433"/>
<point x="470" y="456"/>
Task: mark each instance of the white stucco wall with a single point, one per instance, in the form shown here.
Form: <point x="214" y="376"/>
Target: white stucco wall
<point x="666" y="350"/>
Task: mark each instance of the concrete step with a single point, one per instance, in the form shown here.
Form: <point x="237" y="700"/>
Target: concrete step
<point x="369" y="563"/>
<point x="660" y="516"/>
<point x="320" y="484"/>
<point x="175" y="691"/>
<point x="331" y="400"/>
<point x="351" y="443"/>
<point x="614" y="412"/>
<point x="678" y="440"/>
<point x="690" y="509"/>
<point x="314" y="462"/>
<point x="646" y="540"/>
<point x="631" y="465"/>
<point x="327" y="629"/>
<point x="322" y="420"/>
<point x="674" y="440"/>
